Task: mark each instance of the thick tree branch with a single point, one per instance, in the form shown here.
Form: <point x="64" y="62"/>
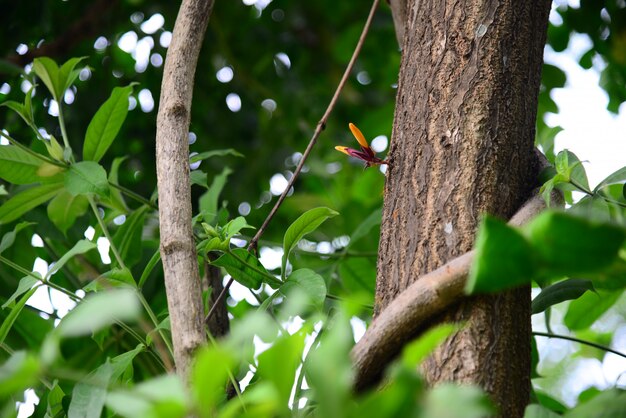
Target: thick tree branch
<point x="412" y="310"/>
<point x="178" y="251"/>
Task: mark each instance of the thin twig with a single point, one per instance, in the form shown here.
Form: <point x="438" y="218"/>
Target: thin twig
<point x="578" y="340"/>
<point x="318" y="130"/>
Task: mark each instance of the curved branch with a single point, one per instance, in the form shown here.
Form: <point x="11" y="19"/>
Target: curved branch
<point x="178" y="251"/>
<point x="412" y="309"/>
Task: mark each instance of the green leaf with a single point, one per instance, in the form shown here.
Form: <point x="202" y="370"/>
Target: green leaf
<point x="366" y="226"/>
<point x="56" y="79"/>
<point x="100" y="310"/>
<point x="617" y="177"/>
<point x="87" y="177"/>
<point x="561" y="164"/>
<point x="48" y="71"/>
<point x="214" y="153"/>
<point x="416" y="351"/>
<point x="122" y="365"/>
<point x="552" y="76"/>
<point x="199" y="178"/>
<point x="503" y="258"/>
<point x="9" y="238"/>
<point x="117" y="200"/>
<point x="209" y="376"/>
<point x="127" y="239"/>
<point x="106" y="124"/>
<point x="585" y="310"/>
<point x="278" y="364"/>
<point x="55" y="401"/>
<point x="18" y="166"/>
<point x="90" y="393"/>
<point x="308" y="282"/>
<point x="560" y="292"/>
<point x="68" y="74"/>
<point x="18" y="373"/>
<point x="27" y="200"/>
<point x="20" y="109"/>
<point x="234" y="226"/>
<point x="450" y="400"/>
<point x="209" y="200"/>
<point x="55" y="150"/>
<point x="65" y="208"/>
<point x="163" y="396"/>
<point x="610" y="403"/>
<point x="154" y="260"/>
<point x="246" y="269"/>
<point x="80" y="247"/>
<point x="308" y="222"/>
<point x="26" y="283"/>
<point x="8" y="322"/>
<point x="571" y="246"/>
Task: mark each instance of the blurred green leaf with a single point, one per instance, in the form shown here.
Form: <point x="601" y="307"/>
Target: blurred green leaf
<point x="100" y="310"/>
<point x="504" y="258"/>
<point x="308" y="282"/>
<point x="416" y="351"/>
<point x="278" y="364"/>
<point x="610" y="403"/>
<point x="571" y="246"/>
<point x="13" y="314"/>
<point x="89" y="394"/>
<point x="585" y="310"/>
<point x="215" y="153"/>
<point x="560" y="292"/>
<point x="18" y="373"/>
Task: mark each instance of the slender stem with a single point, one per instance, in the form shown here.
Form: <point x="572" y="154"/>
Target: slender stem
<point x="19" y="268"/>
<point x="133" y="195"/>
<point x="35" y="154"/>
<point x="155" y="321"/>
<point x="578" y="340"/>
<point x="66" y="140"/>
<point x="318" y="130"/>
<point x="105" y="230"/>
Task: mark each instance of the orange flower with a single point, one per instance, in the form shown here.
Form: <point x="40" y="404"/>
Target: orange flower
<point x="366" y="154"/>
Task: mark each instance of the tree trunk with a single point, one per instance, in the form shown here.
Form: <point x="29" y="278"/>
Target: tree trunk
<point x="178" y="249"/>
<point x="462" y="145"/>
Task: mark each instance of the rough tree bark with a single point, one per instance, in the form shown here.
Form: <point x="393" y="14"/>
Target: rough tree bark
<point x="463" y="144"/>
<point x="178" y="251"/>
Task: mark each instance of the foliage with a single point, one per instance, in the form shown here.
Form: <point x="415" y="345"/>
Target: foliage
<point x="81" y="159"/>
